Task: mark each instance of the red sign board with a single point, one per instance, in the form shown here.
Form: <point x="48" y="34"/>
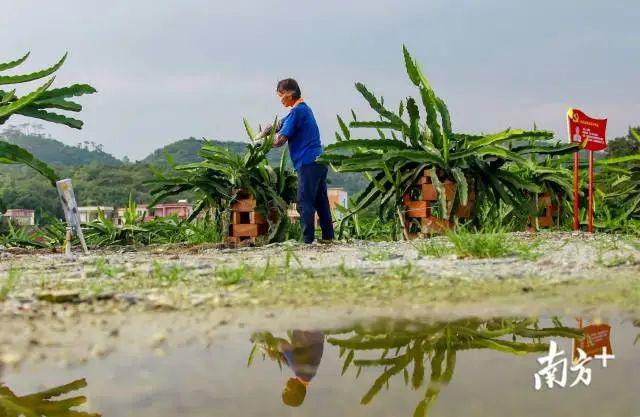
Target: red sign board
<point x="596" y="338"/>
<point x="590" y="133"/>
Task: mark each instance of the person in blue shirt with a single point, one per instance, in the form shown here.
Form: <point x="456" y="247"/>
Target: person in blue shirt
<point x="300" y="130"/>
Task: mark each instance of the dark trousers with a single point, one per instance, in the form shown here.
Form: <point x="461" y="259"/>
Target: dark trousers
<point x="312" y="198"/>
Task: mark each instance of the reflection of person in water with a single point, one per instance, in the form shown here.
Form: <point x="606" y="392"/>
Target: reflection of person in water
<point x="302" y="354"/>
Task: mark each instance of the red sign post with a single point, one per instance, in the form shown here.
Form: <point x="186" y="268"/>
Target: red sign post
<point x="591" y="134"/>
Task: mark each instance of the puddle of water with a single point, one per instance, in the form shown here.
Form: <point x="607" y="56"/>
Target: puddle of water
<point x="384" y="367"/>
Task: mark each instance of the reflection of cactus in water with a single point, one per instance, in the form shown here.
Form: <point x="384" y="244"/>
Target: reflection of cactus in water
<point x="636" y="323"/>
<point x="268" y="344"/>
<point x="413" y="342"/>
<point x="42" y="404"/>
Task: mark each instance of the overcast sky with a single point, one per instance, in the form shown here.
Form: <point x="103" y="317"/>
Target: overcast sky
<point x="167" y="70"/>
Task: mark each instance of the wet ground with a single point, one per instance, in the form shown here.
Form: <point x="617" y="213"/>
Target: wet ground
<point x="379" y="366"/>
<point x="361" y="328"/>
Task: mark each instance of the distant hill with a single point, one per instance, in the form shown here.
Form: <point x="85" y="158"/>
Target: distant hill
<point x="101" y="179"/>
<point x="57" y="153"/>
<point x="185" y="151"/>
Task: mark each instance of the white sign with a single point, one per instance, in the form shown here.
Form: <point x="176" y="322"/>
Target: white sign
<point x="70" y="207"/>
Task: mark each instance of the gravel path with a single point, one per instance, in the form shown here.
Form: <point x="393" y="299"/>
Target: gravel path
<point x="179" y="277"/>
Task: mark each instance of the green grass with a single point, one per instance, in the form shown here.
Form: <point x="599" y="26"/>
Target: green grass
<point x="607" y="245"/>
<point x="432" y="248"/>
<point x="403" y="272"/>
<point x="635" y="243"/>
<point x="614" y="261"/>
<point x="350" y="273"/>
<point x="527" y="251"/>
<point x="492" y="245"/>
<point x="290" y="255"/>
<point x="112" y="271"/>
<point x="378" y="256"/>
<point x="9" y="283"/>
<point x="232" y="275"/>
<point x="166" y="274"/>
<point x="616" y="252"/>
<point x="268" y="272"/>
<point x="235" y="275"/>
<point x="604" y="246"/>
<point x="479" y="245"/>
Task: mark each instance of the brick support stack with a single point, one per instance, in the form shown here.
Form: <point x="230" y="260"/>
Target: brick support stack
<point x="421" y="209"/>
<point x="246" y="222"/>
<point x="550" y="211"/>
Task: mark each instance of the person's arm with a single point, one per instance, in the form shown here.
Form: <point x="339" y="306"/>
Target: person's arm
<point x="288" y="129"/>
<point x="266" y="131"/>
<point x="280" y="140"/>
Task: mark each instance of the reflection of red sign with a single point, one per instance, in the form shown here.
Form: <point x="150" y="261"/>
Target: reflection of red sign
<point x="596" y="337"/>
<point x="591" y="133"/>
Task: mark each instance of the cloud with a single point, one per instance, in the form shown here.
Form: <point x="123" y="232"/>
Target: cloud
<point x="166" y="70"/>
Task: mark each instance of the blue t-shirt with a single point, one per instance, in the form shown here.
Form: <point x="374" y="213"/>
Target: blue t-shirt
<point x="303" y="135"/>
<point x="304" y="353"/>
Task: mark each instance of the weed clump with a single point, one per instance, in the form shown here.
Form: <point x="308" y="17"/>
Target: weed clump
<point x="378" y="256"/>
<point x="8" y="284"/>
<point x="167" y="274"/>
<point x="432" y="248"/>
<point x="467" y="244"/>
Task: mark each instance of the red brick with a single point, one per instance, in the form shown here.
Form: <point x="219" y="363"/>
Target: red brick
<point x="248" y="230"/>
<point x="435" y="225"/>
<point x="417" y="209"/>
<point x="244" y="205"/>
<point x="545" y="221"/>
